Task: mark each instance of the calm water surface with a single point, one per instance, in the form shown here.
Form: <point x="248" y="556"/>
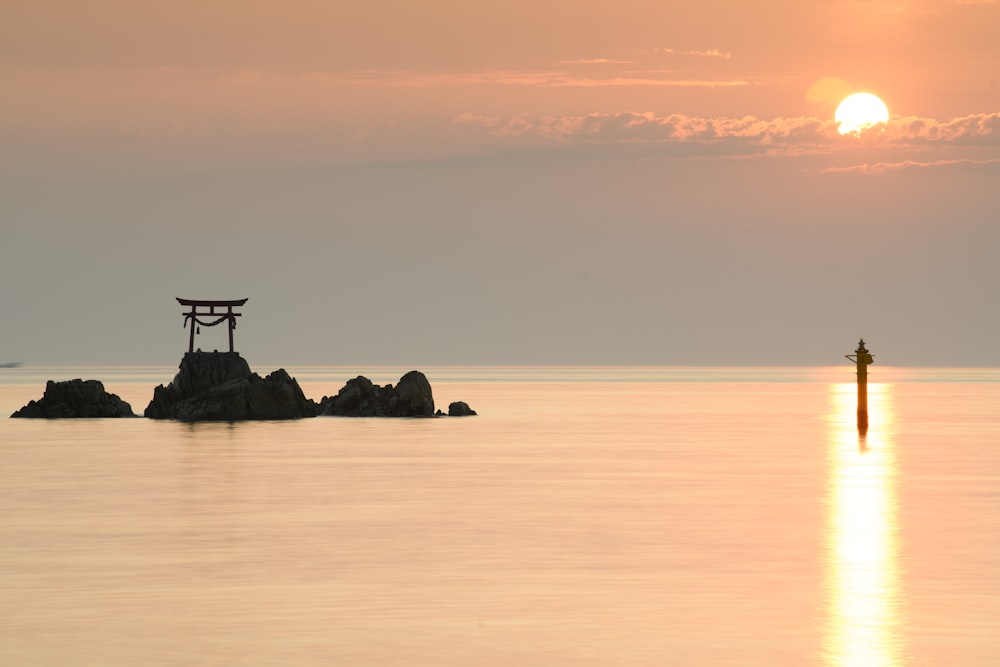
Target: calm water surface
<point x="588" y="516"/>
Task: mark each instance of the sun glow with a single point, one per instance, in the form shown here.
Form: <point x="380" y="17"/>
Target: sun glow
<point x="860" y="111"/>
<point x="862" y="555"/>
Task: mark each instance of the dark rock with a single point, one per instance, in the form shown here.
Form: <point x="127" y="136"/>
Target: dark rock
<point x="75" y="399"/>
<point x="358" y="398"/>
<point x="411" y="397"/>
<point x="414" y="397"/>
<point x="219" y="386"/>
<point x="460" y="409"/>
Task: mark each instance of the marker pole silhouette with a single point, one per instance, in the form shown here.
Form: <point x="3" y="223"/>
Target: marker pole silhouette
<point x="862" y="358"/>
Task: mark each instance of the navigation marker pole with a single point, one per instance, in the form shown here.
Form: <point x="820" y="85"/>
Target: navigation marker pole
<point x="862" y="359"/>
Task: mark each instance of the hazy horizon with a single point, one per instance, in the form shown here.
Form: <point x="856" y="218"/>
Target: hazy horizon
<point x="526" y="183"/>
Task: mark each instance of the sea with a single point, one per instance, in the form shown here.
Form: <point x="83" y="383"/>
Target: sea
<point x="587" y="516"/>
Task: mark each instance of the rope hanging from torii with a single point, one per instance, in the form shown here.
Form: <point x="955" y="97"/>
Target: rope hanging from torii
<point x="192" y="317"/>
<point x="222" y="319"/>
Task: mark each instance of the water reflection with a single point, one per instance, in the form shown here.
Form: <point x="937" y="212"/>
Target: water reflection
<point x="862" y="554"/>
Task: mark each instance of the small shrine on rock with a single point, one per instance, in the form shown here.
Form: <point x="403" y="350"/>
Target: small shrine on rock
<point x="209" y="317"/>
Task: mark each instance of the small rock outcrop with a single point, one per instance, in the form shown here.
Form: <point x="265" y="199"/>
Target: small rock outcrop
<point x="75" y="399"/>
<point x="219" y="386"/>
<point x="460" y="409"/>
<point x="411" y="397"/>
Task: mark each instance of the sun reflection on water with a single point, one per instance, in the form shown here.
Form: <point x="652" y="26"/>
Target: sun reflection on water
<point x="862" y="554"/>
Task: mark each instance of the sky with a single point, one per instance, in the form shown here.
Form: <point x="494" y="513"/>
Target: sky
<point x="437" y="182"/>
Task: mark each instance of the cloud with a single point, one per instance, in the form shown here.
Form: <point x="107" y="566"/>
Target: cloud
<point x="672" y="136"/>
<point x="972" y="130"/>
<point x="882" y="167"/>
<point x="648" y="127"/>
<point x="708" y="53"/>
<point x="982" y="130"/>
<point x="648" y="81"/>
<point x="907" y="143"/>
<point x="527" y="78"/>
<point x="597" y="61"/>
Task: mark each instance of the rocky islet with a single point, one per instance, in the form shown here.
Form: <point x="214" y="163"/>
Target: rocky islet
<point x="75" y="399"/>
<point x="220" y="386"/>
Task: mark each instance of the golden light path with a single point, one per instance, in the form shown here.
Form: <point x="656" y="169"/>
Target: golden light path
<point x="862" y="537"/>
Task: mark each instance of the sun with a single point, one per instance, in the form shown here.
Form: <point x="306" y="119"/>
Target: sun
<point x="860" y="111"/>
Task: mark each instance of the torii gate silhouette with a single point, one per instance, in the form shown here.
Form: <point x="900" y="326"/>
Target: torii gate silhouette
<point x="228" y="316"/>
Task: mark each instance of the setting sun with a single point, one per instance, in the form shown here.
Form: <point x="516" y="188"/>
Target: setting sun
<point x="860" y="111"/>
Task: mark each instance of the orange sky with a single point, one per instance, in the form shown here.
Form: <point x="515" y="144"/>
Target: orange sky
<point x="265" y="98"/>
<point x="364" y="74"/>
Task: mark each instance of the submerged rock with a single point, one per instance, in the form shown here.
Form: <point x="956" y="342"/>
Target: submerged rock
<point x="460" y="409"/>
<point x="411" y="397"/>
<point x="75" y="399"/>
<point x="219" y="386"/>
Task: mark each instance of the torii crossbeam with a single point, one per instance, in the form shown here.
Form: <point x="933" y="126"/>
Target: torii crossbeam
<point x="191" y="317"/>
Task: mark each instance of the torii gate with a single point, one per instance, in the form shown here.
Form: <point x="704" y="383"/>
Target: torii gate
<point x="228" y="316"/>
